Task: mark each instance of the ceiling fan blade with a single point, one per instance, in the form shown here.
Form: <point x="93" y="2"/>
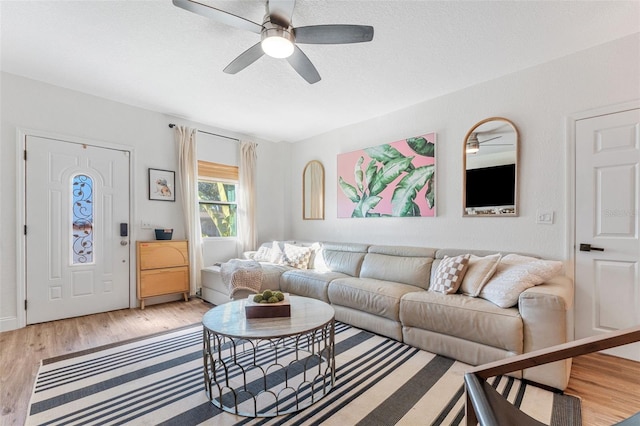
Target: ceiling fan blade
<point x="334" y="34"/>
<point x="490" y="139"/>
<point x="245" y="59"/>
<point x="303" y="66"/>
<point x="281" y="10"/>
<point x="218" y="15"/>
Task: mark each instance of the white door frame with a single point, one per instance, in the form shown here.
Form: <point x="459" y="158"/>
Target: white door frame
<point x="21" y="254"/>
<point x="570" y="204"/>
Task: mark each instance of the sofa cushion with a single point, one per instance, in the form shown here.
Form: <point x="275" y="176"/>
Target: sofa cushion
<point x="465" y="317"/>
<point x="449" y="274"/>
<point x="341" y="257"/>
<point x="408" y="251"/>
<point x="406" y="265"/>
<point x="514" y="275"/>
<point x="480" y="270"/>
<point x="308" y="283"/>
<point x="378" y="297"/>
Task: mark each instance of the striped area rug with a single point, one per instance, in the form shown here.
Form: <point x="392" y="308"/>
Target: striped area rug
<point x="159" y="380"/>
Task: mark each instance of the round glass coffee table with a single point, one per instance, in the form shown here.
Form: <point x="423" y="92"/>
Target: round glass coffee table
<point x="265" y="367"/>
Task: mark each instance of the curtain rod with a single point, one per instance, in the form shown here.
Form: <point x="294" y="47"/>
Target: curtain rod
<point x="171" y="125"/>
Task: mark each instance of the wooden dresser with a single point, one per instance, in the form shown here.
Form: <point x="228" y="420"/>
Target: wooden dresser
<point x="163" y="268"/>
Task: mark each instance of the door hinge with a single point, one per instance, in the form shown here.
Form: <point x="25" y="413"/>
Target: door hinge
<point x="25" y="155"/>
<point x="25" y="230"/>
<point x="25" y="304"/>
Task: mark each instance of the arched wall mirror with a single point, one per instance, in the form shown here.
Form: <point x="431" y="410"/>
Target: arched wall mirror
<point x="490" y="180"/>
<point x="313" y="191"/>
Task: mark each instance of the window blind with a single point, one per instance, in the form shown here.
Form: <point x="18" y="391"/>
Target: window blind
<point x="217" y="171"/>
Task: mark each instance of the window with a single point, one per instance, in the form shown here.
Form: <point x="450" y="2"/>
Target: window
<point x="82" y="220"/>
<point x="217" y="189"/>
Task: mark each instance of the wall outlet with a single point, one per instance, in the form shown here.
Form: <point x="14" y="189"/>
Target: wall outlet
<point x="146" y="225"/>
<point x="544" y="217"/>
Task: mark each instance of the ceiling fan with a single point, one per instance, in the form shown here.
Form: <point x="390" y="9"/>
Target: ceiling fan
<point x="473" y="143"/>
<point x="278" y="38"/>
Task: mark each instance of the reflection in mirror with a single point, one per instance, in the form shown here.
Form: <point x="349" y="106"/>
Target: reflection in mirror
<point x="490" y="169"/>
<point x="313" y="191"/>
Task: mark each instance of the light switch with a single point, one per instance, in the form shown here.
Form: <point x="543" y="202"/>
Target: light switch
<point x="544" y="217"/>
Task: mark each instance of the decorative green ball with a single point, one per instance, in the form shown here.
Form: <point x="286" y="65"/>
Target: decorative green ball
<point x="257" y="298"/>
<point x="273" y="299"/>
<point x="267" y="294"/>
<point x="263" y="301"/>
<point x="279" y="295"/>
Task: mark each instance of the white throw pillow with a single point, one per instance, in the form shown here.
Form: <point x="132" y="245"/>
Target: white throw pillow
<point x="263" y="254"/>
<point x="277" y="255"/>
<point x="297" y="256"/>
<point x="479" y="271"/>
<point x="514" y="275"/>
<point x="449" y="274"/>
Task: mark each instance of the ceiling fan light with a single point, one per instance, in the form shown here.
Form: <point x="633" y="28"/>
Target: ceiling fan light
<point x="277" y="47"/>
<point x="473" y="145"/>
<point x="277" y="41"/>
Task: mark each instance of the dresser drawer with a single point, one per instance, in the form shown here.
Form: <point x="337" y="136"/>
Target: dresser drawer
<point x="158" y="254"/>
<point x="155" y="282"/>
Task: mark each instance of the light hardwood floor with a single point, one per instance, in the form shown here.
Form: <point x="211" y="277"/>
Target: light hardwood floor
<point x="609" y="386"/>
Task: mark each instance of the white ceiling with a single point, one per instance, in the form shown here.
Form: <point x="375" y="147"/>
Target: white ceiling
<point x="154" y="55"/>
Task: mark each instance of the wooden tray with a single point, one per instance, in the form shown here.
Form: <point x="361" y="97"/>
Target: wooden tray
<point x="267" y="310"/>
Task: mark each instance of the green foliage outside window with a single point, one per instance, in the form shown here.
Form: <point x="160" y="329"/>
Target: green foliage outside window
<point x="218" y="208"/>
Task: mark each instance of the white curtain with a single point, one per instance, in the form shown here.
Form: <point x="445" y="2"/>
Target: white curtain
<point x="247" y="233"/>
<point x="188" y="177"/>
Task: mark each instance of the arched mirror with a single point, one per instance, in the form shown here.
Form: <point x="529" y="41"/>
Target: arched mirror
<point x="313" y="191"/>
<point x="491" y="169"/>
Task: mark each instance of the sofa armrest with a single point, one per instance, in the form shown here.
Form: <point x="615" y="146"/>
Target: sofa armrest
<point x="544" y="309"/>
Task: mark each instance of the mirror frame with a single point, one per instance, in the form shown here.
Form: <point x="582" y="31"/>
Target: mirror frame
<point x="306" y="216"/>
<point x="489" y="211"/>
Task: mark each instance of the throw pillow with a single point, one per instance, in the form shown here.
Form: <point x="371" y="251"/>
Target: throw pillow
<point x="514" y="275"/>
<point x="479" y="271"/>
<point x="263" y="254"/>
<point x="449" y="274"/>
<point x="297" y="256"/>
<point x="277" y="255"/>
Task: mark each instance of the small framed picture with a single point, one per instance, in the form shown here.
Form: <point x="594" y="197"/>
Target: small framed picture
<point x="162" y="185"/>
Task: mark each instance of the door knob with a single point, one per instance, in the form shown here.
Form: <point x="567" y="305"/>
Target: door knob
<point x="124" y="242"/>
<point x="589" y="247"/>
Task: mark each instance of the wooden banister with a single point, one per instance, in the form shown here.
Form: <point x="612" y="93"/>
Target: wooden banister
<point x="573" y="349"/>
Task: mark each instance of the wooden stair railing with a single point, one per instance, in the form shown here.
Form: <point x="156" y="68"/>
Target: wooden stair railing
<point x="486" y="406"/>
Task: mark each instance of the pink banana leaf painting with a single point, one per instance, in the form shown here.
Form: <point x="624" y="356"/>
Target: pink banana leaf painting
<point x="394" y="179"/>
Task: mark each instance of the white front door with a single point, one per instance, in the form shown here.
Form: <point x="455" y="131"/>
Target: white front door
<point x="608" y="219"/>
<point x="77" y="262"/>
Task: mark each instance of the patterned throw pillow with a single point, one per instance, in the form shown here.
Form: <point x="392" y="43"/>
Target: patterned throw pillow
<point x="296" y="256"/>
<point x="449" y="274"/>
<point x="514" y="275"/>
<point x="480" y="270"/>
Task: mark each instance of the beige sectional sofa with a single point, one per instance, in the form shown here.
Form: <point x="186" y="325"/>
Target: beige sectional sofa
<point x="385" y="289"/>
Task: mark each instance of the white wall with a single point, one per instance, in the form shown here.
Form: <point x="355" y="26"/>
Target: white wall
<point x="28" y="104"/>
<point x="537" y="100"/>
